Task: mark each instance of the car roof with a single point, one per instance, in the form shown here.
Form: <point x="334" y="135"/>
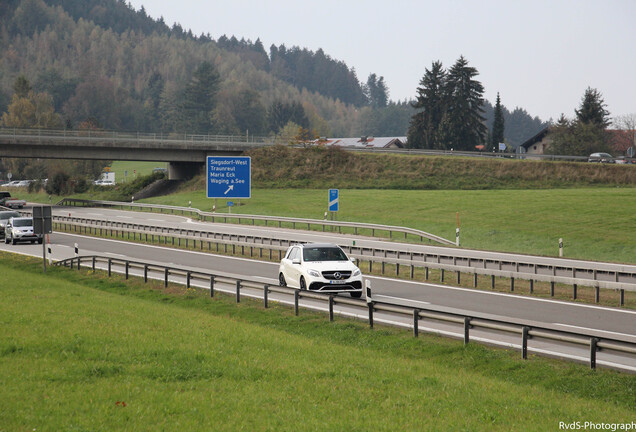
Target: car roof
<point x="318" y="245"/>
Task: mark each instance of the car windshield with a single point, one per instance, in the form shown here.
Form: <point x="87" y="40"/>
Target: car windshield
<point x="23" y="222"/>
<point x="324" y="254"/>
<point x="9" y="215"/>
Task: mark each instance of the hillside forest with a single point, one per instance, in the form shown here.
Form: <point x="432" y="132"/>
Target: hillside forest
<point x="103" y="64"/>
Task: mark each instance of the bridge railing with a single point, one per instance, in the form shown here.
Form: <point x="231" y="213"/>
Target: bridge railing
<point x="592" y="340"/>
<point x="68" y="134"/>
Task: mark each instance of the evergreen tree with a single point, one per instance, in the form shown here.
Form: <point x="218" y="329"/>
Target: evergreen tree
<point x="200" y="98"/>
<point x="464" y="108"/>
<point x="430" y="103"/>
<point x="497" y="135"/>
<point x="21" y="86"/>
<point x="376" y="91"/>
<point x="592" y="109"/>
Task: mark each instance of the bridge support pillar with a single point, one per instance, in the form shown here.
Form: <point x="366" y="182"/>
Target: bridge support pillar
<point x="184" y="170"/>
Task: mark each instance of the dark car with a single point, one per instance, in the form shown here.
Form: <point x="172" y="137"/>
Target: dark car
<point x="4" y="218"/>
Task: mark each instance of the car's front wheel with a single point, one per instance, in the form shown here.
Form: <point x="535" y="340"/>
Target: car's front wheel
<point x="281" y="280"/>
<point x="303" y="284"/>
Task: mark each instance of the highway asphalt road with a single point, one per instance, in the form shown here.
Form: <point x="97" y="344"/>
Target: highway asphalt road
<point x="176" y="221"/>
<point x="613" y="323"/>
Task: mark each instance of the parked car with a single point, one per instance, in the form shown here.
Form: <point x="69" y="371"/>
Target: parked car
<point x="4" y="218"/>
<point x="21" y="229"/>
<point x="601" y="157"/>
<point x="320" y="267"/>
<point x="104" y="183"/>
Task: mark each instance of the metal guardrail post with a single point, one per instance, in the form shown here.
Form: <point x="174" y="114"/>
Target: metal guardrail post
<point x="145" y="273"/>
<point x="296" y="296"/>
<point x="211" y="286"/>
<point x="127" y="268"/>
<point x="524" y="342"/>
<point x="371" y="307"/>
<point x="596" y="294"/>
<point x="622" y="297"/>
<point x="93" y="263"/>
<point x="165" y="277"/>
<point x="110" y="264"/>
<point x="265" y="296"/>
<point x="331" y="301"/>
<point x="593" y="349"/>
<point x="188" y="276"/>
<point x="466" y="330"/>
<point x="416" y="322"/>
<point x="238" y="291"/>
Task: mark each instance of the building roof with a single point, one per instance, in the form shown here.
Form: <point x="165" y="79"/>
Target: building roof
<point x="366" y="142"/>
<point x="537" y="138"/>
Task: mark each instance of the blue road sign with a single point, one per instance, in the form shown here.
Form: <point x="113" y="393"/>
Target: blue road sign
<point x="229" y="177"/>
<point x="333" y="200"/>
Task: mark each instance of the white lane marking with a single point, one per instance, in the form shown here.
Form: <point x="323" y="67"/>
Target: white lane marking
<point x="172" y="249"/>
<point x="401" y="298"/>
<point x="587" y="328"/>
<point x="476" y="291"/>
<point x="125" y="217"/>
<point x="157" y="220"/>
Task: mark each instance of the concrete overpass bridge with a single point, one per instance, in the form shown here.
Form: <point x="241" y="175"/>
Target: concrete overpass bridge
<point x="184" y="153"/>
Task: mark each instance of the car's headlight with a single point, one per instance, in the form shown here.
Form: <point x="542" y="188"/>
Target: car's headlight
<point x="356" y="272"/>
<point x="313" y="273"/>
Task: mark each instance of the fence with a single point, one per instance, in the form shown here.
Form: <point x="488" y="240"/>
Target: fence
<point x="524" y="330"/>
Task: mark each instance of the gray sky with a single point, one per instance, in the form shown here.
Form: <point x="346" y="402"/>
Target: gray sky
<point x="539" y="55"/>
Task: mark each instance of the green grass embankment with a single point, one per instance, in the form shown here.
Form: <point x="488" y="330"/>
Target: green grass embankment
<point x="81" y="352"/>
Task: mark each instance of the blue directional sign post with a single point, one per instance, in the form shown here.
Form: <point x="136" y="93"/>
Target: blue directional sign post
<point x="229" y="177"/>
<point x="334" y="200"/>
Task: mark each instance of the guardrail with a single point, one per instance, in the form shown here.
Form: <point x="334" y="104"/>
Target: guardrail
<point x="525" y="330"/>
<point x="176" y="237"/>
<point x="268" y="220"/>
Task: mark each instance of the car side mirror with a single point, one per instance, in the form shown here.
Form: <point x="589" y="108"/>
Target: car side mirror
<point x="296" y="261"/>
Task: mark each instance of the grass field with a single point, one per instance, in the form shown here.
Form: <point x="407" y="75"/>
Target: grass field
<point x="595" y="223"/>
<point x="126" y="171"/>
<point x="83" y="353"/>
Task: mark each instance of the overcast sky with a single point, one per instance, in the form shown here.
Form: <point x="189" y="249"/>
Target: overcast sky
<point x="539" y="55"/>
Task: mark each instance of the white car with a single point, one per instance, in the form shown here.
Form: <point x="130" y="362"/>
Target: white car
<point x="21" y="229"/>
<point x="321" y="267"/>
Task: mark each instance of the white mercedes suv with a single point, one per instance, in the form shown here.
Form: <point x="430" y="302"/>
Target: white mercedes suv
<point x="321" y="267"/>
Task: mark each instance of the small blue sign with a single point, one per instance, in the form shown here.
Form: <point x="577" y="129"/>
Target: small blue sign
<point x="333" y="200"/>
<point x="229" y="177"/>
<point x="230" y="203"/>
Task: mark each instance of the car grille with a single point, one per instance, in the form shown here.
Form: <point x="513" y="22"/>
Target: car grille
<point x="324" y="287"/>
<point x="336" y="274"/>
